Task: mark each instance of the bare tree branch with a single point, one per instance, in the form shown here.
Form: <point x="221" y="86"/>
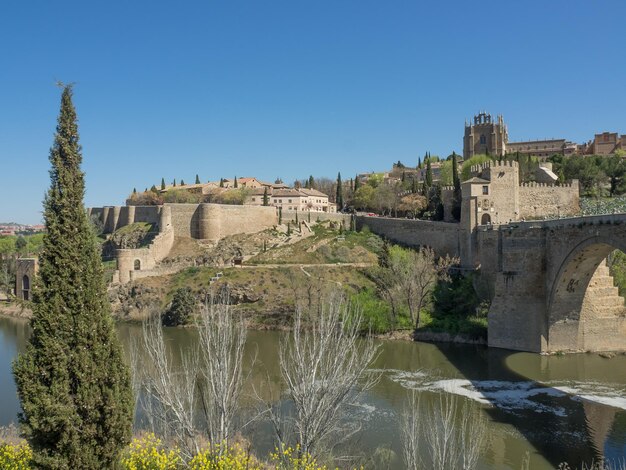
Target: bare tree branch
<point x="323" y="365"/>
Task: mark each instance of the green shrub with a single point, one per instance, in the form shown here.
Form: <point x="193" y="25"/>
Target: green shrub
<point x="455" y="298"/>
<point x="181" y="309"/>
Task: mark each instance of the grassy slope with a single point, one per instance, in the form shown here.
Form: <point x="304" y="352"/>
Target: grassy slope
<point x="267" y="292"/>
<point x="271" y="283"/>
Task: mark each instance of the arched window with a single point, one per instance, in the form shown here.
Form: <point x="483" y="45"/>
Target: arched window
<point x="486" y="219"/>
<point x="137" y="265"/>
<point x="483" y="139"/>
<point x="25" y="287"/>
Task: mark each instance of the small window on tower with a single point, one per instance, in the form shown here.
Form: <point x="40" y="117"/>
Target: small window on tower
<point x="485" y="189"/>
<point x="483" y="139"/>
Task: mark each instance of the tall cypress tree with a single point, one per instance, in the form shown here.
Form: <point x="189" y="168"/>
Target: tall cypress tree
<point x="428" y="181"/>
<point x="266" y="198"/>
<point x="456" y="181"/>
<point x="236" y="184"/>
<point x="162" y="183"/>
<point x="197" y="179"/>
<point x="429" y="174"/>
<point x="339" y="197"/>
<point x="74" y="387"/>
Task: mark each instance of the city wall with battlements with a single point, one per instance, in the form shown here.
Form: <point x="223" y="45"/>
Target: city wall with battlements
<point x="199" y="221"/>
<point x="210" y="222"/>
<point x="305" y="216"/>
<point x="442" y="237"/>
<point x="537" y="200"/>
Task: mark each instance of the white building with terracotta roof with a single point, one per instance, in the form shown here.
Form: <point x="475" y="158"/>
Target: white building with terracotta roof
<point x="289" y="199"/>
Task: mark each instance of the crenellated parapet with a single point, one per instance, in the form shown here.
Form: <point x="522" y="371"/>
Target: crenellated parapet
<point x="494" y="165"/>
<point x="572" y="184"/>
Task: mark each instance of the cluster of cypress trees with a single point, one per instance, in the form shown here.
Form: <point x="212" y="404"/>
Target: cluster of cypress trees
<point x="73" y="383"/>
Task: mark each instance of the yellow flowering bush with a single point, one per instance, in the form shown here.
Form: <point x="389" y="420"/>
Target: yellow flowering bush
<point x="223" y="457"/>
<point x="147" y="453"/>
<point x="15" y="456"/>
<point x="286" y="458"/>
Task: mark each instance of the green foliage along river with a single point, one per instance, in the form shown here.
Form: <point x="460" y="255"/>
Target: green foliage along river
<point x="555" y="408"/>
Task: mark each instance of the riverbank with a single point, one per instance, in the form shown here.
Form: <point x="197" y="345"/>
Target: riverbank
<point x="15" y="310"/>
<point x="275" y="320"/>
<point x="443" y="337"/>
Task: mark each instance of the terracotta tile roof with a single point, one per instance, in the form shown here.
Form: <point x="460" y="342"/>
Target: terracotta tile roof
<point x="312" y="192"/>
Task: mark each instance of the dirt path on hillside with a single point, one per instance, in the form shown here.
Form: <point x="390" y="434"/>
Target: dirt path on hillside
<point x="302" y="266"/>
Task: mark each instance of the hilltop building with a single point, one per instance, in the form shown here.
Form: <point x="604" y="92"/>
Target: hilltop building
<point x="310" y="200"/>
<point x="488" y="136"/>
<point x="608" y="143"/>
<point x="485" y="136"/>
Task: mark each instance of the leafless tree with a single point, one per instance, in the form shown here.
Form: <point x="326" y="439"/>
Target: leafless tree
<point x="323" y="364"/>
<point x="170" y="390"/>
<point x="452" y="435"/>
<point x="410" y="432"/>
<point x="222" y="340"/>
<point x="208" y="375"/>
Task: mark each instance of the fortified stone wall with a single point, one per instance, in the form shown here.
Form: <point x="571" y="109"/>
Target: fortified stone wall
<point x="303" y="216"/>
<point x="447" y="199"/>
<point x="216" y="221"/>
<point x="442" y="237"/>
<point x="130" y="262"/>
<point x="538" y="200"/>
<point x="115" y="217"/>
<point x="185" y="220"/>
<point x="200" y="221"/>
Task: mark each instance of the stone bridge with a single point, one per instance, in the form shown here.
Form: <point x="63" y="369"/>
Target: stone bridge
<point x="549" y="281"/>
<point x="552" y="288"/>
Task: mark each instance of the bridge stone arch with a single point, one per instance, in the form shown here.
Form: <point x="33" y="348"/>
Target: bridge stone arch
<point x="585" y="310"/>
<point x="552" y="287"/>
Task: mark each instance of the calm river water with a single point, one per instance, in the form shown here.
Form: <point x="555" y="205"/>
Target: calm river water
<point x="559" y="408"/>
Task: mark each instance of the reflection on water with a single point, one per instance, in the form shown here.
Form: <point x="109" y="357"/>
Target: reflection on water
<point x="568" y="408"/>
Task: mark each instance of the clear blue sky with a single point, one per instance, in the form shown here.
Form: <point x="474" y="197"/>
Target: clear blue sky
<point x="292" y="88"/>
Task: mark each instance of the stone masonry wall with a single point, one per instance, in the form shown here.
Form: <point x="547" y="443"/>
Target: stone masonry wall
<point x="538" y="200"/>
<point x="503" y="181"/>
<point x="200" y="221"/>
<point x="185" y="220"/>
<point x="303" y="216"/>
<point x="442" y="237"/>
<point x="217" y="221"/>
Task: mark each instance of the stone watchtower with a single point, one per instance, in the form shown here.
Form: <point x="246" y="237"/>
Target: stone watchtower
<point x="25" y="272"/>
<point x="485" y="136"/>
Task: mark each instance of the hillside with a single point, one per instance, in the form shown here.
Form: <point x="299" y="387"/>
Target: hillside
<point x="279" y="269"/>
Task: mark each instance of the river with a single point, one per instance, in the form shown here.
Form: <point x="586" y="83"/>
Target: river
<point x="553" y="408"/>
